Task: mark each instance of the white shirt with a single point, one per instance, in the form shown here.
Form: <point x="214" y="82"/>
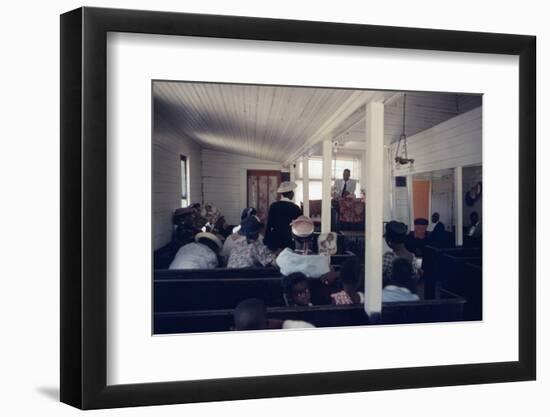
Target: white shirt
<point x="297" y="324"/>
<point x="392" y="293"/>
<point x="194" y="256"/>
<point x="339" y="186"/>
<point x="312" y="266"/>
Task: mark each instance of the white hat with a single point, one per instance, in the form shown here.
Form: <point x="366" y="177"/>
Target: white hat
<point x="211" y="236"/>
<point x="286" y="186"/>
<point x="302" y="226"/>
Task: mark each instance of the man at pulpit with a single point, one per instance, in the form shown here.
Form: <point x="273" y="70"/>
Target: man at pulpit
<point x="345" y="185"/>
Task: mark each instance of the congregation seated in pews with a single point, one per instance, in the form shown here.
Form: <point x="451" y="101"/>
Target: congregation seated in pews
<point x="213" y="277"/>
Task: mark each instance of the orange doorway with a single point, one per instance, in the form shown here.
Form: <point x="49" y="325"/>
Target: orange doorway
<point x="421" y="199"/>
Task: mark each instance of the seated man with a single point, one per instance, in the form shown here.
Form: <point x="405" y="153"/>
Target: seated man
<point x="302" y="259"/>
<point x="296" y="289"/>
<point x="251" y="314"/>
<point x="201" y="254"/>
<point x="402" y="285"/>
<point x="250" y="251"/>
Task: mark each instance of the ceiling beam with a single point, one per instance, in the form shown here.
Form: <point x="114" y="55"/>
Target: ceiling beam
<point x="356" y="100"/>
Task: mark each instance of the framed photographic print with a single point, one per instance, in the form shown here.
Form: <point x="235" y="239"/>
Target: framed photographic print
<point x="257" y="208"/>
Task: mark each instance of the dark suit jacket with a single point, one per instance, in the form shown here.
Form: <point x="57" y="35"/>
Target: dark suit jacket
<point x="437" y="237"/>
<point x="278" y="234"/>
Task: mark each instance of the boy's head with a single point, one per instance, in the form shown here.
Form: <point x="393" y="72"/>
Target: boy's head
<point x="350" y="274"/>
<point x="250" y="314"/>
<point x="402" y="274"/>
<point x="395" y="234"/>
<point x="296" y="289"/>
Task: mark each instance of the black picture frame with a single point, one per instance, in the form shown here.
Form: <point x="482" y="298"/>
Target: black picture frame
<point x="84" y="207"/>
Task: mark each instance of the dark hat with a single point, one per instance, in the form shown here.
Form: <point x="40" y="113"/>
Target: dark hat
<point x="181" y="213"/>
<point x="421" y="222"/>
<point x="394" y="228"/>
<point x="249" y="211"/>
<point x="251" y="225"/>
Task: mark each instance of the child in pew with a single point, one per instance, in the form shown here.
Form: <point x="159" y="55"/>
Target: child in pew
<point x="296" y="290"/>
<point x="251" y="314"/>
<point x="402" y="285"/>
<point x="350" y="276"/>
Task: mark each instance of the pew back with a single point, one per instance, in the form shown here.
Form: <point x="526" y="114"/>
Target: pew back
<point x="226" y="293"/>
<point x="425" y="311"/>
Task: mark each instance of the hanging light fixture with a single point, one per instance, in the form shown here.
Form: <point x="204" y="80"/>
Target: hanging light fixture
<point x="401" y="154"/>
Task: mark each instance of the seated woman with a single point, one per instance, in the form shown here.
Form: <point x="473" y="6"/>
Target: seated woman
<point x="250" y="251"/>
<point x="350" y="276"/>
<point x="395" y="235"/>
<point x="302" y="259"/>
<point x="201" y="254"/>
<point x="251" y="314"/>
<point x="296" y="290"/>
<point x="235" y="235"/>
<point x="402" y="284"/>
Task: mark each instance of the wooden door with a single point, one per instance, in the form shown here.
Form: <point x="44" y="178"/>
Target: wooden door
<point x="261" y="190"/>
<point x="421" y="199"/>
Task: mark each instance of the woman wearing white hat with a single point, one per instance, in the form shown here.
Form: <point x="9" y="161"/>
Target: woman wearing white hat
<point x="302" y="259"/>
<point x="201" y="254"/>
<point x="281" y="213"/>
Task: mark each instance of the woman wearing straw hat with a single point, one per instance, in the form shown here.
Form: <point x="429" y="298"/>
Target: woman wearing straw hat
<point x="201" y="254"/>
<point x="281" y="214"/>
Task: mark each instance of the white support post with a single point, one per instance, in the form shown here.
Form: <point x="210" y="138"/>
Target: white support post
<point x="458" y="207"/>
<point x="327" y="186"/>
<point x="374" y="209"/>
<point x="410" y="199"/>
<point x="305" y="184"/>
<point x="292" y="171"/>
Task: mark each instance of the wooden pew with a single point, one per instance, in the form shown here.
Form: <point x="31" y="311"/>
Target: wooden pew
<point x="179" y="274"/>
<point x="433" y="269"/>
<point x="226" y="293"/>
<point x="255" y="272"/>
<point x="465" y="279"/>
<point x="222" y="320"/>
<point x="450" y="307"/>
<point x="424" y="311"/>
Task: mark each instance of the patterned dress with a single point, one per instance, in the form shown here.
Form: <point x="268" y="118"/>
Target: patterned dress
<point x="246" y="255"/>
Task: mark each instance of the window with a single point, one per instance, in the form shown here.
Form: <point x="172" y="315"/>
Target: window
<point x="316" y="176"/>
<point x="184" y="182"/>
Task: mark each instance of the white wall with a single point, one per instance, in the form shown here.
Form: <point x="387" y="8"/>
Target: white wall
<point x="442" y="197"/>
<point x="168" y="146"/>
<point x="455" y="142"/>
<point x="224" y="180"/>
